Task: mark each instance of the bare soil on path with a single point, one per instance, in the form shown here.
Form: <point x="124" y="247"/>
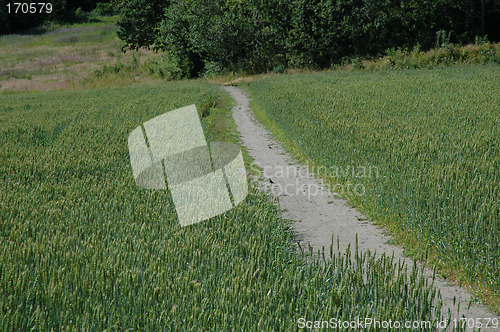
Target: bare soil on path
<point x="317" y="213"/>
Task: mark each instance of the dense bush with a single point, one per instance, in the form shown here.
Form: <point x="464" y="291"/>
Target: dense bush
<point x="274" y="34"/>
<point x="482" y="52"/>
<point x="139" y="20"/>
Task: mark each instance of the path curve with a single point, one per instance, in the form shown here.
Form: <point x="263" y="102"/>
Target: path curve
<point x="317" y="216"/>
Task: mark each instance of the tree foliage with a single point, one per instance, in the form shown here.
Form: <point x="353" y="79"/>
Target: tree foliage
<point x="139" y="21"/>
<point x="264" y="35"/>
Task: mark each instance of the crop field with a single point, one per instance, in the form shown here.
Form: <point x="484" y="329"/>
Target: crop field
<point x="83" y="248"/>
<point x="434" y="138"/>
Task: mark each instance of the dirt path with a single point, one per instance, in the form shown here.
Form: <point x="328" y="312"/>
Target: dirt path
<point x="317" y="213"/>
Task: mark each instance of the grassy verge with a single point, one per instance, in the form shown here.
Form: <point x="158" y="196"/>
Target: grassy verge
<point x="431" y="135"/>
<point x="482" y="52"/>
<point x="81" y="247"/>
<point x="72" y="56"/>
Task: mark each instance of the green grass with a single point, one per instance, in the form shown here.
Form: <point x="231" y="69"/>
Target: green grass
<point x="93" y="37"/>
<point x="71" y="56"/>
<point x="483" y="52"/>
<point x="433" y="136"/>
<point x="82" y="247"/>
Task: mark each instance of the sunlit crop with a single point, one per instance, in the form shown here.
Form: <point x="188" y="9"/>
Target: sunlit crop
<point x="433" y="135"/>
<point x="83" y="248"/>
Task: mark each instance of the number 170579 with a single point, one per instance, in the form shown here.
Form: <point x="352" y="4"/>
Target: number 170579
<point x="29" y="8"/>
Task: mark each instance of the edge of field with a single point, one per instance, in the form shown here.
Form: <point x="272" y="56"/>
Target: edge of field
<point x="403" y="238"/>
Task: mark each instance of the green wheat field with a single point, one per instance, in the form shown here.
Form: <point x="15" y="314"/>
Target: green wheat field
<point x="83" y="248"/>
<point x="434" y="137"/>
